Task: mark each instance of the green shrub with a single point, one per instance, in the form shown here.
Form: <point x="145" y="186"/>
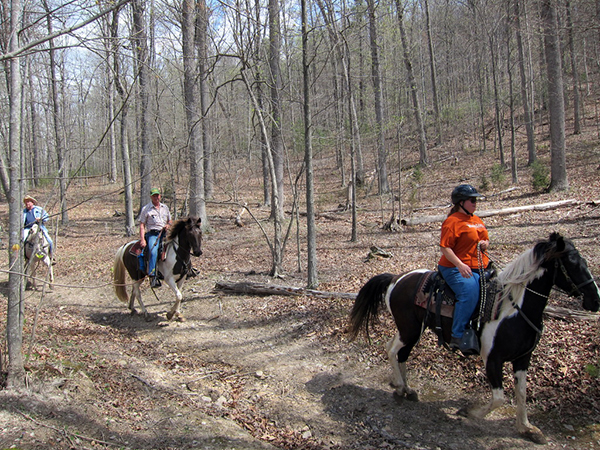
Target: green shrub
<point x="498" y="176"/>
<point x="539" y="176"/>
<point x="484" y="184"/>
<point x="417" y="174"/>
<point x="592" y="370"/>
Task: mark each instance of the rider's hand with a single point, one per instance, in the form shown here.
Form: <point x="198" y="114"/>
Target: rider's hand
<point x="142" y="242"/>
<point x="483" y="245"/>
<point x="465" y="270"/>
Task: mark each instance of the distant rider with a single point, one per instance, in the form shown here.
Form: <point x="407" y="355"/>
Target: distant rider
<point x="35" y="214"/>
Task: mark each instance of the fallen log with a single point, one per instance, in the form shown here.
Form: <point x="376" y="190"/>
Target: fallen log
<point x="250" y="288"/>
<point x="558" y="312"/>
<point x="494" y="212"/>
<point x="246" y="287"/>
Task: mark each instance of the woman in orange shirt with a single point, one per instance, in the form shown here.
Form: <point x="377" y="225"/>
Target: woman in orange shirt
<point x="462" y="232"/>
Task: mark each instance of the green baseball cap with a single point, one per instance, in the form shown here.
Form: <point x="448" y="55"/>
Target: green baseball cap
<point x="154" y="191"/>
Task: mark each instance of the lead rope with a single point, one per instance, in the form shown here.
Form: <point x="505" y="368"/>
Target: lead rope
<point x="482" y="285"/>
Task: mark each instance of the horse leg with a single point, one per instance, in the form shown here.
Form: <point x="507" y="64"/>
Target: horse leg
<point x="32" y="272"/>
<point x="399" y="380"/>
<point x="525" y="428"/>
<point x="175" y="312"/>
<point x="494" y="375"/>
<point x="48" y="262"/>
<point x="136" y="292"/>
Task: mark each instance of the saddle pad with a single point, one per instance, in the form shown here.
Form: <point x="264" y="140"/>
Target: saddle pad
<point x="421" y="298"/>
<point x="136" y="249"/>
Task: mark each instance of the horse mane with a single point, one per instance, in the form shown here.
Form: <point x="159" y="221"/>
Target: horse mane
<point x="179" y="225"/>
<point x="176" y="228"/>
<point x="519" y="273"/>
<point x="528" y="267"/>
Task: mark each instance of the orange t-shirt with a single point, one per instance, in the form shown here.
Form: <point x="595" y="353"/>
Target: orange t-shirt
<point x="461" y="233"/>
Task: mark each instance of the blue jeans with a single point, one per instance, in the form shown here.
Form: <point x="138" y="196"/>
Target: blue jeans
<point x="152" y="245"/>
<point x="467" y="297"/>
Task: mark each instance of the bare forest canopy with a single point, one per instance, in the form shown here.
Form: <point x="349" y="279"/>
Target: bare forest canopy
<point x="196" y="96"/>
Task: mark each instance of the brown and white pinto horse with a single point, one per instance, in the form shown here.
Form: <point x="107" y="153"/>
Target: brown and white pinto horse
<point x="184" y="239"/>
<point x="510" y="335"/>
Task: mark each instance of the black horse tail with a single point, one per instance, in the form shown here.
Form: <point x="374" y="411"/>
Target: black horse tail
<point x="367" y="304"/>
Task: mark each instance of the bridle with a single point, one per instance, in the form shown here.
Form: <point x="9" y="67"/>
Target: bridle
<point x="575" y="288"/>
<point x="574" y="292"/>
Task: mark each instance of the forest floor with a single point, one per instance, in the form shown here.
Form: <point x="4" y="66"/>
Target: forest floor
<point x="267" y="372"/>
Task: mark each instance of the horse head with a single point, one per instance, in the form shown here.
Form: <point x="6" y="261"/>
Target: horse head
<point x="189" y="232"/>
<point x="572" y="274"/>
<point x="194" y="235"/>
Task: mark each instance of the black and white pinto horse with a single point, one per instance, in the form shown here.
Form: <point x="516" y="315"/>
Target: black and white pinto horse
<point x="37" y="250"/>
<point x="510" y="335"/>
<point x="184" y="239"/>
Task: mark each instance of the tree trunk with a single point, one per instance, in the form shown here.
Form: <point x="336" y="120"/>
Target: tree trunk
<point x="498" y="118"/>
<point x="277" y="245"/>
<point x="35" y="129"/>
<point x="191" y="105"/>
<point x="383" y="184"/>
<point x="312" y="275"/>
<point x="276" y="86"/>
<point x="56" y="121"/>
<point x="528" y="115"/>
<point x="140" y="43"/>
<point x="15" y="310"/>
<point x="202" y="48"/>
<point x="123" y="141"/>
<point x="511" y="98"/>
<point x="556" y="105"/>
<point x="423" y="160"/>
<point x="434" y="89"/>
<point x="574" y="72"/>
<point x="110" y="100"/>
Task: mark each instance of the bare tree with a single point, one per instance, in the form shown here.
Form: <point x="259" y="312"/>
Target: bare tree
<point x="123" y="135"/>
<point x="312" y="281"/>
<point x="192" y="105"/>
<point x="528" y="114"/>
<point x="433" y="74"/>
<point x="574" y="70"/>
<point x="276" y="86"/>
<point x="412" y="84"/>
<point x="56" y="120"/>
<point x="378" y="93"/>
<point x="556" y="102"/>
<point x="140" y="43"/>
<point x="15" y="311"/>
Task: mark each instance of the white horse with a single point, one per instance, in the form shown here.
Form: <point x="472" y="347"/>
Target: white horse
<point x="37" y="249"/>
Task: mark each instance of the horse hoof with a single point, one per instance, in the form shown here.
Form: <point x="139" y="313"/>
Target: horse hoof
<point x="412" y="397"/>
<point x="398" y="397"/>
<point x="175" y="315"/>
<point x="463" y="412"/>
<point x="535" y="435"/>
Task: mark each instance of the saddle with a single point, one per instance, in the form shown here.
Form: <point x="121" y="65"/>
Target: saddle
<point x="437" y="297"/>
<point x="138" y="251"/>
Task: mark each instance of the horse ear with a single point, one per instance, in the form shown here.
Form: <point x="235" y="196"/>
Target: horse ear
<point x="560" y="244"/>
<point x="199" y="221"/>
<point x="555" y="237"/>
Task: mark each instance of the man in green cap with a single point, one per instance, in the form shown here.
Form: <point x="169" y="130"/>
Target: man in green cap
<point x="155" y="220"/>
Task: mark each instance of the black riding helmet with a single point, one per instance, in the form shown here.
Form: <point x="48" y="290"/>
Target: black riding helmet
<point x="464" y="192"/>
